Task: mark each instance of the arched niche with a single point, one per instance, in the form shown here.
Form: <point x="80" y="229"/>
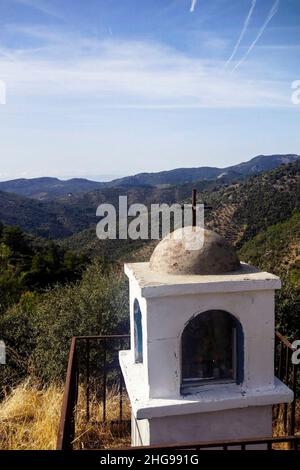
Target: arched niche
<point x="138" y="333"/>
<point x="212" y="346"/>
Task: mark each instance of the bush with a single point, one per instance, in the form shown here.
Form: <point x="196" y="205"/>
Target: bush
<point x="39" y="329"/>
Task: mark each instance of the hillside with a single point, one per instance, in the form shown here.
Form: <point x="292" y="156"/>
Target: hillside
<point x="238" y="172"/>
<point x="71" y="214"/>
<point x="48" y="188"/>
<point x="277" y="249"/>
<point x="260" y="215"/>
<point x="31" y="216"/>
<point x="45" y="189"/>
<point x="29" y="264"/>
<point x="242" y="210"/>
<point x="238" y="211"/>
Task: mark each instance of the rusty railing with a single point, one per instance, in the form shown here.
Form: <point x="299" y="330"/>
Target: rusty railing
<point x="93" y="362"/>
<point x="267" y="443"/>
<point x="288" y="372"/>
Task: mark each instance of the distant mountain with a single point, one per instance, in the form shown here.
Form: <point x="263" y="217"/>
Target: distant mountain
<point x="72" y="213"/>
<point x="237" y="211"/>
<point x="48" y="188"/>
<point x="170" y="177"/>
<point x="44" y="189"/>
<point x="240" y="210"/>
<point x="263" y="163"/>
<point x="238" y="172"/>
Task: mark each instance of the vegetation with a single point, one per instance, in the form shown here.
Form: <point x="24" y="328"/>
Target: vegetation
<point x="32" y="265"/>
<point x="277" y="250"/>
<point x="44" y="302"/>
<point x="50" y="292"/>
<point x="242" y="210"/>
<point x="29" y="419"/>
<point x="37" y="330"/>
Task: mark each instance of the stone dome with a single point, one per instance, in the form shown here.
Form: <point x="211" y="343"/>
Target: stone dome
<point x="194" y="250"/>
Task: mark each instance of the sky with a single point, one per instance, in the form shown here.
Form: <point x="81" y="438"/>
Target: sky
<point x="108" y="88"/>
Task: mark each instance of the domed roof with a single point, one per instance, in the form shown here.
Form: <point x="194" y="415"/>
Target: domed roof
<point x="194" y="250"/>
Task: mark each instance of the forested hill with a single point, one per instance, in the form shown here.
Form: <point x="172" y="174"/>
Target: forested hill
<point x="261" y="216"/>
<point x="48" y="188"/>
<point x="45" y="189"/>
<point x="71" y="214"/>
<point x="28" y="264"/>
<point x="239" y="210"/>
<point x="238" y="172"/>
<point x="242" y="210"/>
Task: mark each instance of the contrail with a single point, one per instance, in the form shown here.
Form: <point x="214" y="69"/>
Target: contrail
<point x="193" y="5"/>
<point x="245" y="27"/>
<point x="271" y="14"/>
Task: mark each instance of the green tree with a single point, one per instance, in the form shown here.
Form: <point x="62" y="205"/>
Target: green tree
<point x="39" y="328"/>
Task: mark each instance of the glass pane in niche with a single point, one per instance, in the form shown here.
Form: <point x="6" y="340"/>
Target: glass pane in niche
<point x="209" y="348"/>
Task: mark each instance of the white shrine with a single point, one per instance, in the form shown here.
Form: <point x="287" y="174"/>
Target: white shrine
<point x="201" y="364"/>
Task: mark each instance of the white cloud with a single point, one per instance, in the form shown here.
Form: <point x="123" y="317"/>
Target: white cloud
<point x="114" y="73"/>
<point x="271" y="14"/>
<point x="40" y="5"/>
<point x="193" y="6"/>
<point x="2" y="92"/>
<point x="243" y="32"/>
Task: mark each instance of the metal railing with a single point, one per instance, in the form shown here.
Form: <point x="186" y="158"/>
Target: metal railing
<point x="288" y="373"/>
<point x="93" y="362"/>
<point x="267" y="443"/>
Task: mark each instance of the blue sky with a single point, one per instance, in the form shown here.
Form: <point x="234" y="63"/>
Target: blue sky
<point x="110" y="87"/>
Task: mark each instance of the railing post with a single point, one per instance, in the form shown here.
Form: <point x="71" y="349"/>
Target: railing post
<point x="269" y="446"/>
<point x="121" y="390"/>
<point x="288" y="375"/>
<point x="104" y="382"/>
<point x="286" y="381"/>
<point x="66" y="431"/>
<point x="67" y="427"/>
<point x="280" y="360"/>
<point x="87" y="389"/>
<point x="294" y="403"/>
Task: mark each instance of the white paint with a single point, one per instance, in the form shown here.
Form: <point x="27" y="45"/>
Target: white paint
<point x="168" y="302"/>
<point x="228" y="424"/>
<point x="154" y="284"/>
<point x="210" y="399"/>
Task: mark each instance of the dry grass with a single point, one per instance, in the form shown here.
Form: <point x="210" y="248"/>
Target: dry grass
<point x="29" y="419"/>
<point x="278" y="426"/>
<point x="96" y="435"/>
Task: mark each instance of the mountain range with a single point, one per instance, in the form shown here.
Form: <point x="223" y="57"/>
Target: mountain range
<point x="44" y="189"/>
<point x="237" y="211"/>
<point x="240" y="208"/>
<point x="237" y="172"/>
